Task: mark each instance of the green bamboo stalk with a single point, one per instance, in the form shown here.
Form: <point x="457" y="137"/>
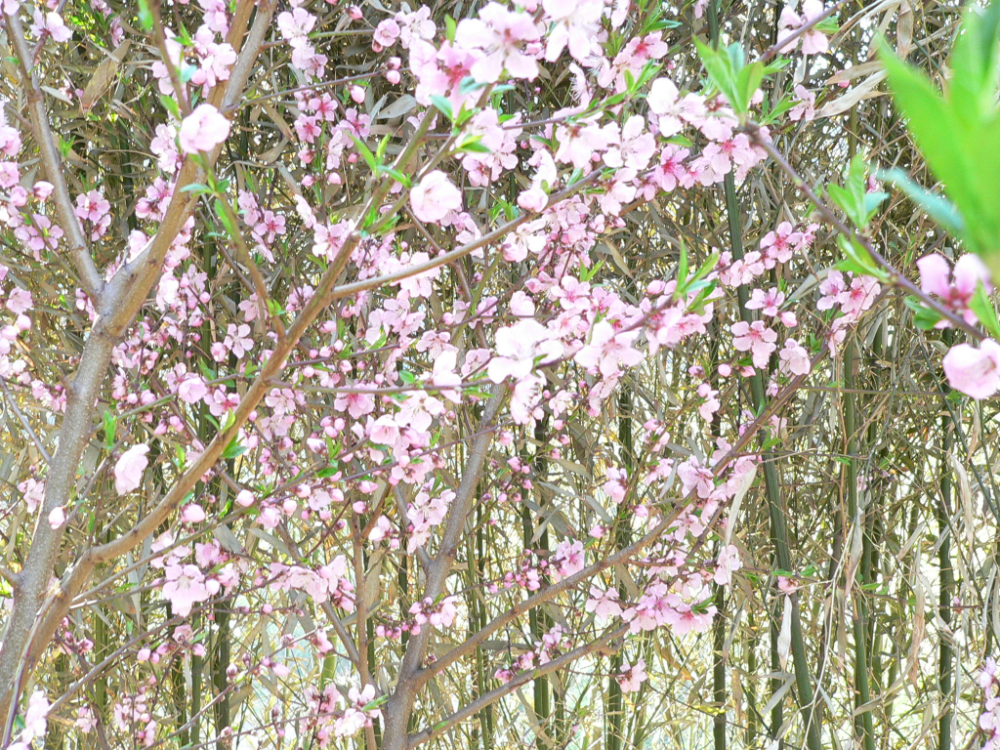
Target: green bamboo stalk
<point x="537" y="620"/>
<point x="719" y="671"/>
<point x="220" y="663"/>
<point x="862" y="695"/>
<point x="779" y="532"/>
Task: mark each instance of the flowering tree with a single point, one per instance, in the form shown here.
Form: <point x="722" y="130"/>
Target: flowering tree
<point x="367" y="367"/>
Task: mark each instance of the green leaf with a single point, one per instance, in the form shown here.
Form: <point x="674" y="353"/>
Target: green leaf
<point x="234" y="449"/>
<point x="395" y="174"/>
<point x="682" y="269"/>
<point x="170" y="104"/>
<point x="982" y="306"/>
<point x="923" y="317"/>
<point x="586" y="274"/>
<point x="938" y="208"/>
<point x="223" y="217"/>
<point x="444" y="106"/>
<point x="973" y="63"/>
<point x="145" y="15"/>
<point x="719" y="66"/>
<point x="858" y="260"/>
<point x="366" y="153"/>
<point x="109" y="429"/>
<point x="949" y="144"/>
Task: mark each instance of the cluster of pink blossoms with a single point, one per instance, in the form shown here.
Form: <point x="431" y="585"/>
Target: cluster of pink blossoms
<point x="974" y="371"/>
<point x="333" y="715"/>
<point x="989" y="719"/>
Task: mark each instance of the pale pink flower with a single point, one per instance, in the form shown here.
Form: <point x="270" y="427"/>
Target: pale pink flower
<point x="974" y="372"/>
<point x="567" y="560"/>
<point x="129" y="469"/>
<point x="813" y="42"/>
<point x="35" y="723"/>
<point x="575" y="25"/>
<point x="795" y="358"/>
<point x="604" y="604"/>
<point x="52" y="24"/>
<point x="805" y="107"/>
<point x="631" y="677"/>
<point x="203" y="129"/>
<point x="727" y="563"/>
<point x="192" y="514"/>
<point x="186" y="586"/>
<point x="954" y="288"/>
<point x="501" y="34"/>
<point x="755" y="338"/>
<point x="767" y="302"/>
<point x="517" y="347"/>
<point x="434" y="197"/>
<point x="608" y="351"/>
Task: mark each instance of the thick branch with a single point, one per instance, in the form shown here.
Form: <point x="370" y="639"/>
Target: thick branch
<point x="34" y="617"/>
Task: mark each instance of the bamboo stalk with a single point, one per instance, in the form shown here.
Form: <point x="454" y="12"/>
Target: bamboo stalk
<point x="862" y="695"/>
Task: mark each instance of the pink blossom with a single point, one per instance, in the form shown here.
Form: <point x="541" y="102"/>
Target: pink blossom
<point x="974" y="372"/>
<point x="129" y="468"/>
<point x="52" y="24"/>
<point x="727" y="563"/>
<point x="631" y="677"/>
<point x="434" y="197"/>
<point x="192" y="514"/>
<point x="567" y="560"/>
<point x="794" y="358"/>
<point x="501" y="34"/>
<point x="574" y="25"/>
<point x="756" y="338"/>
<point x="955" y="289"/>
<point x="604" y="604"/>
<point x="767" y="302"/>
<point x="813" y="42"/>
<point x="35" y="723"/>
<point x="517" y="348"/>
<point x="805" y="108"/>
<point x="186" y="586"/>
<point x="609" y="351"/>
<point x="203" y="129"/>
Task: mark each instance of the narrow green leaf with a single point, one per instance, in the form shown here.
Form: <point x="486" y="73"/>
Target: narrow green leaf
<point x="982" y="306"/>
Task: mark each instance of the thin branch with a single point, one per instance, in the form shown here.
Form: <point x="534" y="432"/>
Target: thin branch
<point x="90" y="278"/>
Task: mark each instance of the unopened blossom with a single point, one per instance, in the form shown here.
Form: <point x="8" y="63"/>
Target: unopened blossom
<point x="57" y="517"/>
